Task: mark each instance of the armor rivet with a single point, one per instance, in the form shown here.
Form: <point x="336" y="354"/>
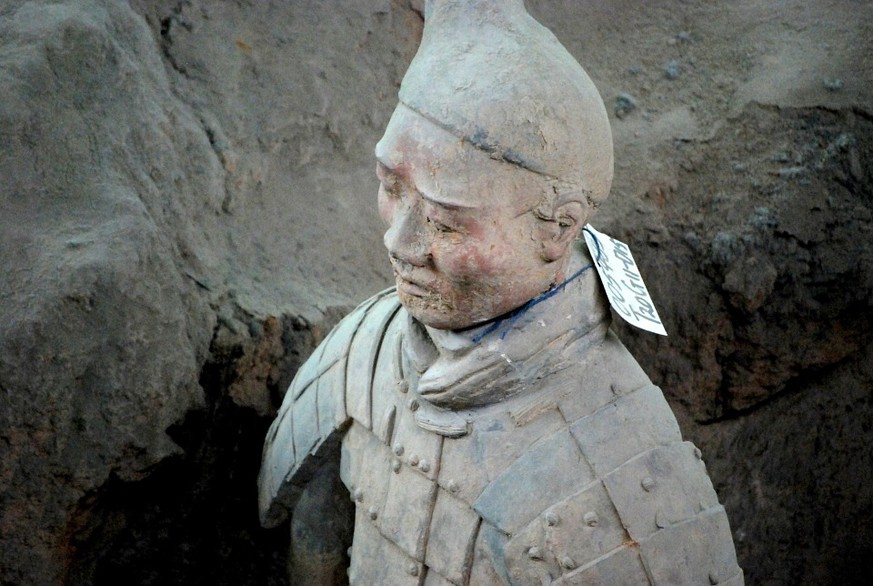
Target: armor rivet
<point x="552" y="518"/>
<point x="453" y="486"/>
<point x="567" y="562"/>
<point x="413" y="404"/>
<point x="395" y="466"/>
<point x="403" y="386"/>
<point x="697" y="453"/>
<point x="412" y="569"/>
<point x="373" y="513"/>
<point x="590" y="519"/>
<point x="534" y="553"/>
<point x="358" y="494"/>
<point x="424" y="466"/>
<point x="648" y="484"/>
<point x="398" y="450"/>
<point x="713" y="578"/>
<point x="413" y="460"/>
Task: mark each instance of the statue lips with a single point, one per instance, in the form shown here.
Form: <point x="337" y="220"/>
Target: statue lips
<point x="410" y="287"/>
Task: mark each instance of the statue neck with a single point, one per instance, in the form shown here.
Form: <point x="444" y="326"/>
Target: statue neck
<point x="502" y="358"/>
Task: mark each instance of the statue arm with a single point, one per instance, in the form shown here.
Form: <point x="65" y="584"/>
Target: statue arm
<point x="311" y="421"/>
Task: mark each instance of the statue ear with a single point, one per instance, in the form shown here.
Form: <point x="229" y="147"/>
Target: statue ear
<point x="564" y="228"/>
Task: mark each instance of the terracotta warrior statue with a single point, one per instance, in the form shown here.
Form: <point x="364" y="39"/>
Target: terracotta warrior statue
<point x="489" y="427"/>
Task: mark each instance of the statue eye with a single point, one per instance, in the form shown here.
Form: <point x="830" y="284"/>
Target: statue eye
<point x="439" y="226"/>
<point x="390" y="188"/>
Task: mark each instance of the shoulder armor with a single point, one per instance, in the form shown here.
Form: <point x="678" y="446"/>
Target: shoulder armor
<point x="319" y="404"/>
<point x="635" y="507"/>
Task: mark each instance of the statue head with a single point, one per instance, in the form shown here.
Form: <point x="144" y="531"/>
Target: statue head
<point x="495" y="158"/>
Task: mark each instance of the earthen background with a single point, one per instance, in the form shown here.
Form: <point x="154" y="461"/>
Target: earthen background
<point x="187" y="206"/>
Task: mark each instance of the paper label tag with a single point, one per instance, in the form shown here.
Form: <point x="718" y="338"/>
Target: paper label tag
<point x="623" y="282"/>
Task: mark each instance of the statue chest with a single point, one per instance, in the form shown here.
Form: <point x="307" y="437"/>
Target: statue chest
<point x="437" y="509"/>
<point x="581" y="480"/>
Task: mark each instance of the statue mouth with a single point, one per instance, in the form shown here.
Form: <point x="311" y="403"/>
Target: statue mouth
<point x="410" y="287"/>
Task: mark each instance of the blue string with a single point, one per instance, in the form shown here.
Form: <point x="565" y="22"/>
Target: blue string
<point x="513" y="316"/>
<point x="596" y="244"/>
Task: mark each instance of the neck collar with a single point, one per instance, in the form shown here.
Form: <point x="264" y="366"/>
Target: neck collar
<point x="500" y="359"/>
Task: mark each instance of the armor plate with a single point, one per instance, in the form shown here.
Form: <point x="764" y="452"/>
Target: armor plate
<point x="537" y="489"/>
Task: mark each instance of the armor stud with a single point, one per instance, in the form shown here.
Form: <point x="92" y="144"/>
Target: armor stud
<point x="453" y="486"/>
<point x="372" y="513"/>
<point x="398" y="450"/>
<point x="502" y="503"/>
<point x="534" y="553"/>
<point x="661" y="520"/>
<point x="424" y="466"/>
<point x="645" y="415"/>
<point x="713" y="578"/>
<point x="395" y="466"/>
<point x="591" y="519"/>
<point x="403" y="386"/>
<point x="691" y="551"/>
<point x="413" y="404"/>
<point x="413" y="460"/>
<point x="552" y="518"/>
<point x="567" y="562"/>
<point x="358" y="495"/>
<point x="412" y="569"/>
<point x="676" y="484"/>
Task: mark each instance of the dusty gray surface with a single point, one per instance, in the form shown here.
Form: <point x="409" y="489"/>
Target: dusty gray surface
<point x="187" y="204"/>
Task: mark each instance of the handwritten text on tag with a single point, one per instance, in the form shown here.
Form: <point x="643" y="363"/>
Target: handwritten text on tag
<point x="622" y="280"/>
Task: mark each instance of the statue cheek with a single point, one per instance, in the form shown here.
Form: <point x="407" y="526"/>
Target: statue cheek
<point x="475" y="262"/>
<point x="470" y="258"/>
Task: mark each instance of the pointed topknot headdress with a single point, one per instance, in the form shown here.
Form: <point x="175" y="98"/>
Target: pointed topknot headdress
<point x="490" y="74"/>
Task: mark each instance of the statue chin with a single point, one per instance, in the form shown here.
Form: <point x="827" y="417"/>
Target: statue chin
<point x="460" y="312"/>
<point x="436" y="311"/>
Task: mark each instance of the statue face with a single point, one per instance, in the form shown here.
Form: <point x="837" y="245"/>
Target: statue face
<point x="463" y="240"/>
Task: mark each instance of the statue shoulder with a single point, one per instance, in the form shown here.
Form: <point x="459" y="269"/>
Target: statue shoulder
<point x="314" y="415"/>
<point x="611" y="494"/>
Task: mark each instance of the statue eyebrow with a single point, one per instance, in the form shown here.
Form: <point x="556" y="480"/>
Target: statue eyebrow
<point x="384" y="169"/>
<point x="449" y="205"/>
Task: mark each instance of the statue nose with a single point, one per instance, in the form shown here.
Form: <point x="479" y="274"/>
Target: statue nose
<point x="406" y="238"/>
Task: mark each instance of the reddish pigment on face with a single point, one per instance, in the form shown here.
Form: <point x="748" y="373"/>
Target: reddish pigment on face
<point x="461" y="250"/>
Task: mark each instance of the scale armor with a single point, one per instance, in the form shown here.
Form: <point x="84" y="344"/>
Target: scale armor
<point x="583" y="481"/>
